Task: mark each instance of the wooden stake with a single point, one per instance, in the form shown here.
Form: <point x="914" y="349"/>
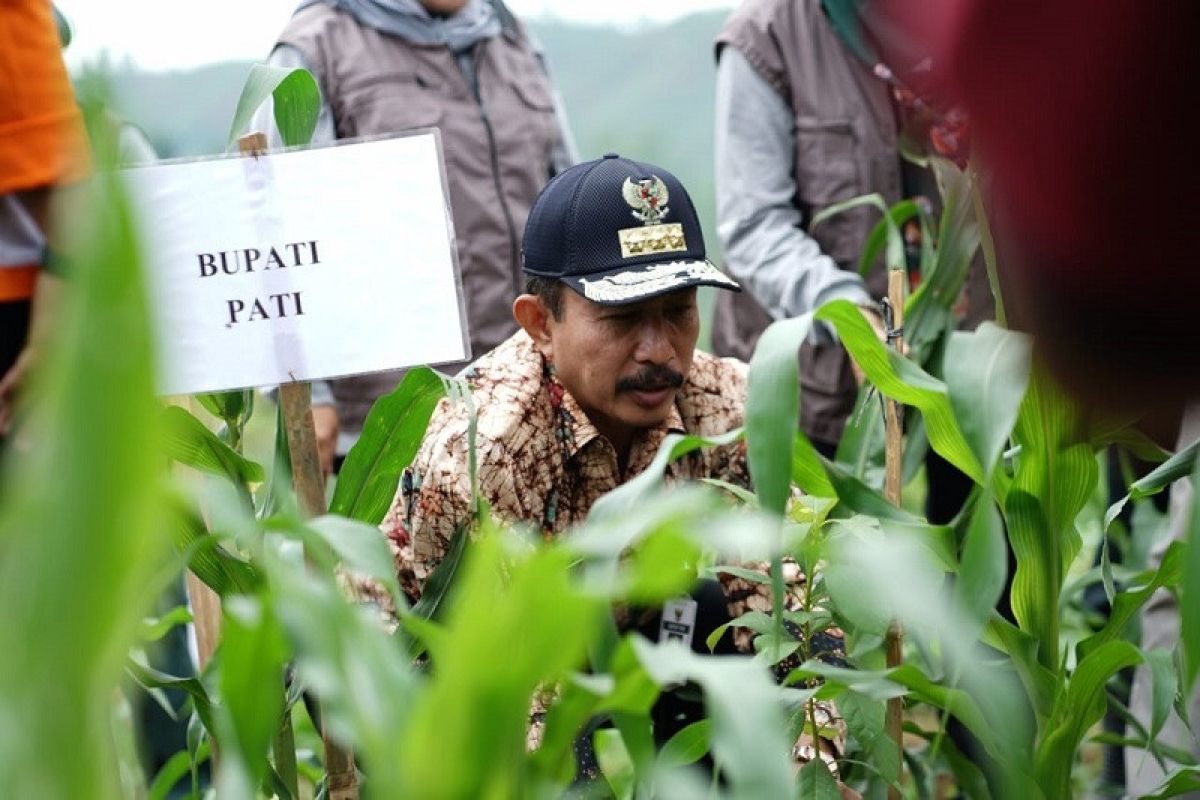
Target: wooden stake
<point x="205" y="603"/>
<point x="893" y="452"/>
<point x="295" y="400"/>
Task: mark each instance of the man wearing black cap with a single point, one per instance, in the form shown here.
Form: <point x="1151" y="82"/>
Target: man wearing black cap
<point x="604" y="367"/>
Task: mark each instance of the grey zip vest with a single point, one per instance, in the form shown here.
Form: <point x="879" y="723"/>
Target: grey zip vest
<point x="497" y="148"/>
<point x="845" y="146"/>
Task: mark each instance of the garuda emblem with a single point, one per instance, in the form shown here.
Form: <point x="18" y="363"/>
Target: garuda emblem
<point x="647" y="197"/>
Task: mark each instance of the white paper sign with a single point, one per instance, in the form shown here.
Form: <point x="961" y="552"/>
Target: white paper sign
<point x="300" y="265"/>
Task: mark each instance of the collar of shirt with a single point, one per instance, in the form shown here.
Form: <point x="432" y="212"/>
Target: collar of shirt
<point x="577" y="432"/>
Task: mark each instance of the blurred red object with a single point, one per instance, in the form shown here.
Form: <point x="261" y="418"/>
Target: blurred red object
<point x="1077" y="112"/>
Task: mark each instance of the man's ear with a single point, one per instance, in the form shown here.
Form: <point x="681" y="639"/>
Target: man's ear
<point x="532" y="315"/>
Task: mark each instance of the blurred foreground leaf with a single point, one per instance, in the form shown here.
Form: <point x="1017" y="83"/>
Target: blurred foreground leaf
<point x="296" y="97"/>
<point x="81" y="517"/>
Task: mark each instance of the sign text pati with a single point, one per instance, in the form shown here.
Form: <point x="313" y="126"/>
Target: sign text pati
<point x="300" y="265"/>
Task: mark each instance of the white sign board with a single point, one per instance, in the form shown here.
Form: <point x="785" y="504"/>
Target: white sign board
<point x="301" y="264"/>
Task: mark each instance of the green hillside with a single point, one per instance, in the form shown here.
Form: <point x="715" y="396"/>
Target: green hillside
<point x="646" y="93"/>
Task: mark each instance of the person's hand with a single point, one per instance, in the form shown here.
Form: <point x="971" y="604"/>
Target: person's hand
<point x="325" y="423"/>
<point x="848" y="793"/>
<point x="10" y="386"/>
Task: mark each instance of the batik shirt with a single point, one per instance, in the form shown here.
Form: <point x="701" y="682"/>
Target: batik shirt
<point x="540" y="461"/>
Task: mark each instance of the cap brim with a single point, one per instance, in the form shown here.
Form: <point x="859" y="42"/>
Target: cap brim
<point x="626" y="285"/>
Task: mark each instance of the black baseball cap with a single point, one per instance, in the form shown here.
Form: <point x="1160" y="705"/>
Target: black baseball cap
<point x="618" y="231"/>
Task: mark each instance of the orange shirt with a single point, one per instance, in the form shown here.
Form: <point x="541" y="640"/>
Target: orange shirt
<point x="41" y="134"/>
<point x="42" y="141"/>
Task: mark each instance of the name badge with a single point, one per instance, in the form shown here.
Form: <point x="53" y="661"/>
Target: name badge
<point x="678" y="621"/>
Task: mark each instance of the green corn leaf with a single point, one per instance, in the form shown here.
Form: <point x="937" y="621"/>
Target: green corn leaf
<point x="808" y="469"/>
<point x="864" y="718"/>
<point x="219" y="569"/>
<point x="1183" y="781"/>
<point x="895" y="243"/>
<point x="345" y="657"/>
<point x="1126" y="604"/>
<point x="1189" y="603"/>
<point x="82" y="529"/>
<point x="1055" y="475"/>
<point x="391" y="435"/>
<point x="627" y="689"/>
<point x="856" y="496"/>
<point x="616" y="763"/>
<point x="189" y="442"/>
<point x="817" y="783"/>
<point x="156" y="679"/>
<point x="773" y="398"/>
<point x="881" y="235"/>
<point x="1164" y="687"/>
<point x="984" y="565"/>
<point x="745" y="709"/>
<point x="155" y="629"/>
<point x="171" y="773"/>
<point x="744" y="496"/>
<point x="1040" y="683"/>
<point x="687" y="746"/>
<point x="902" y="380"/>
<point x="252" y="655"/>
<point x="297" y="103"/>
<point x="1080" y="707"/>
<point x="1174" y="468"/>
<point x="228" y="406"/>
<point x="929" y="311"/>
<point x="967" y="773"/>
<point x="438" y="585"/>
<point x="988" y="246"/>
<point x="633" y="493"/>
<point x="362" y="549"/>
<point x="893" y="682"/>
<point x="987" y="373"/>
<point x="476" y="718"/>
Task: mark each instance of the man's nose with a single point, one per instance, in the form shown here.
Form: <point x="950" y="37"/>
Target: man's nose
<point x="654" y="346"/>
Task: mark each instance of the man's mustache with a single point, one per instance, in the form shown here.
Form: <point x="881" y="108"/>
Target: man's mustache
<point x="651" y="379"/>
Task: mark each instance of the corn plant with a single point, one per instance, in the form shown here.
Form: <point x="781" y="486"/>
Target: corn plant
<point x="92" y="527"/>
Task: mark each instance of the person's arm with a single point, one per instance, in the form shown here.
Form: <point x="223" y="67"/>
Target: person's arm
<point x="758" y="223"/>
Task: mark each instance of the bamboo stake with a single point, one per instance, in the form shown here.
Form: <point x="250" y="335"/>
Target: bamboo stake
<point x="205" y="603"/>
<point x="893" y="453"/>
<point x="295" y="400"/>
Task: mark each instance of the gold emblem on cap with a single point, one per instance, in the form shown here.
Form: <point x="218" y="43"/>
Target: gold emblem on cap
<point x="667" y="238"/>
<point x="648" y="198"/>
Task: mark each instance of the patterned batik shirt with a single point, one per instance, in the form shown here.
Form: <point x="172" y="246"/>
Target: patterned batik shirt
<point x="540" y="461"/>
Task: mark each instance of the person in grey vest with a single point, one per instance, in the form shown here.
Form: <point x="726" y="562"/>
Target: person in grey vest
<point x="806" y="117"/>
<point x="470" y="69"/>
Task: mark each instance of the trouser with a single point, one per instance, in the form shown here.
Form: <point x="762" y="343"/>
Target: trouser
<point x="14" y="332"/>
